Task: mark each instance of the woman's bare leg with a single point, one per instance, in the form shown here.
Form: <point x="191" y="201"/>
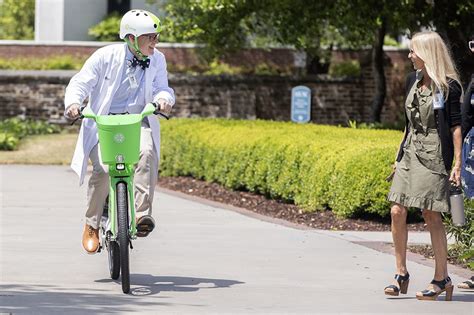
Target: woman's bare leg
<point x="400" y="237"/>
<point x="439" y="242"/>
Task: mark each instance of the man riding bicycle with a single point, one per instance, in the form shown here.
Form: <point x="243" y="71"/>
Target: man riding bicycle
<point x="121" y="79"/>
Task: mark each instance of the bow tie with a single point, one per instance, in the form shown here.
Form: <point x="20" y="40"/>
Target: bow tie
<point x="142" y="63"/>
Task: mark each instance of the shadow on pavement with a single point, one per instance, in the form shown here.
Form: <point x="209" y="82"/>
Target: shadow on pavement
<point x="146" y="284"/>
<point x="49" y="299"/>
<point x="459" y="296"/>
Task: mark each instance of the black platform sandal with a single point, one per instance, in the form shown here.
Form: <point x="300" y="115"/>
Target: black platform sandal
<point x="467" y="285"/>
<point x="402" y="287"/>
<point x="432" y="292"/>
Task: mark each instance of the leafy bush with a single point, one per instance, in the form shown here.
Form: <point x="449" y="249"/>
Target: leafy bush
<point x="14" y="129"/>
<point x="399" y="125"/>
<point x="390" y="41"/>
<point x="65" y="62"/>
<point x="314" y="166"/>
<point x="269" y="69"/>
<point x="8" y="142"/>
<point x="17" y="19"/>
<point x="217" y="68"/>
<point x="350" y="68"/>
<point x="108" y="29"/>
<point x="463" y="235"/>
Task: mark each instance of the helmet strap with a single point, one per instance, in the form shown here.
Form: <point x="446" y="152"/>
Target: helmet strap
<point x="134" y="45"/>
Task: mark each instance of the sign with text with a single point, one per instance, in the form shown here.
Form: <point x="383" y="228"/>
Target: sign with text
<point x="300" y="104"/>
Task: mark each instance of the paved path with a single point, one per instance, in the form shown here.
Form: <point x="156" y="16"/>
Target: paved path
<point x="201" y="260"/>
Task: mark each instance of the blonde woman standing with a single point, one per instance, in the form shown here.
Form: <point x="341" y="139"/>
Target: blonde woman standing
<point x="424" y="167"/>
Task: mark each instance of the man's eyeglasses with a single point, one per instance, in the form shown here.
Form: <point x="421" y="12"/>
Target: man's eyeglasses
<point x="471" y="45"/>
<point x="152" y="37"/>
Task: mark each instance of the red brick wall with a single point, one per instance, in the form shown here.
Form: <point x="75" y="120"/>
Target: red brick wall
<point x="177" y="56"/>
<point x="334" y="101"/>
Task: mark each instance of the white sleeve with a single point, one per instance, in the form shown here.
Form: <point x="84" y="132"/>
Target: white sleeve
<point x="160" y="83"/>
<point x="82" y="83"/>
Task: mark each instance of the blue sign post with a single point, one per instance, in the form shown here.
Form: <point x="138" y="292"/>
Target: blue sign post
<point x="300" y="104"/>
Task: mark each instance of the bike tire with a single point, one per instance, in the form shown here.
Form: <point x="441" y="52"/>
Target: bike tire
<point x="114" y="259"/>
<point x="123" y="238"/>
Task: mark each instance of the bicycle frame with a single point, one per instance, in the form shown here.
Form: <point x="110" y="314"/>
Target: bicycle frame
<point x="119" y="138"/>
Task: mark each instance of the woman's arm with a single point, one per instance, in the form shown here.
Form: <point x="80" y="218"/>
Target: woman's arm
<point x="467" y="111"/>
<point x="454" y="103"/>
<point x="457" y="141"/>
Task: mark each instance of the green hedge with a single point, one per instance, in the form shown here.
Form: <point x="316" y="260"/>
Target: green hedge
<point x="314" y="166"/>
<point x="12" y="130"/>
<point x="64" y="62"/>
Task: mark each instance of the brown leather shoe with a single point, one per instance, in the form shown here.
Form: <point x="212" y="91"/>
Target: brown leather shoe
<point x="90" y="239"/>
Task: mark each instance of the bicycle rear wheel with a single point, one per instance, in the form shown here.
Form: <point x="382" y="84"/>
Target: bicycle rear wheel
<point x="123" y="238"/>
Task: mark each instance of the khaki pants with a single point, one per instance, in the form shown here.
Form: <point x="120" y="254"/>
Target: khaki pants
<point x="145" y="178"/>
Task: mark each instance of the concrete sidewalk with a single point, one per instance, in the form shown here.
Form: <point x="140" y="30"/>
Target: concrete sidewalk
<point x="202" y="259"/>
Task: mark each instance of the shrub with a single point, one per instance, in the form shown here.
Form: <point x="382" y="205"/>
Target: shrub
<point x="269" y="69"/>
<point x="8" y="142"/>
<point x="108" y="29"/>
<point x="350" y="68"/>
<point x="217" y="68"/>
<point x="390" y="41"/>
<point x="463" y="235"/>
<point x="14" y="129"/>
<point x="17" y="19"/>
<point x="313" y="166"/>
<point x="399" y="125"/>
<point x="65" y="62"/>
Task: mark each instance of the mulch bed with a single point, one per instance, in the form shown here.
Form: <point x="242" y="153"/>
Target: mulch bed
<point x="427" y="251"/>
<point x="260" y="204"/>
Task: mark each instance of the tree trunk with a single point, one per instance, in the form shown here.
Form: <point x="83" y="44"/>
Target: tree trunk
<point x="379" y="74"/>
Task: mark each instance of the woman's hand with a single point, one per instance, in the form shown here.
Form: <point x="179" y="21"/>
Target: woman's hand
<point x="394" y="168"/>
<point x="456" y="175"/>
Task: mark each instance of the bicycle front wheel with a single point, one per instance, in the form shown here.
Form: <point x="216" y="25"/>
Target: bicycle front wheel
<point x="114" y="259"/>
<point x="123" y="237"/>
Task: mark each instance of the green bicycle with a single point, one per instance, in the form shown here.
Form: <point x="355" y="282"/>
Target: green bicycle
<point x="119" y="138"/>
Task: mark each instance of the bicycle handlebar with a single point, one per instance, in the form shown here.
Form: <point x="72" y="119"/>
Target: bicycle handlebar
<point x="156" y="112"/>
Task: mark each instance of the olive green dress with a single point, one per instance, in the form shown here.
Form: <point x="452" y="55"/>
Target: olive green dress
<point x="420" y="179"/>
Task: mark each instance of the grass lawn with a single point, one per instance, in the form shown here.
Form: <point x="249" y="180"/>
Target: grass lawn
<point x="54" y="149"/>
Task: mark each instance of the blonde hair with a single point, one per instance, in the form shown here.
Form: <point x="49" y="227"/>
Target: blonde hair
<point x="439" y="65"/>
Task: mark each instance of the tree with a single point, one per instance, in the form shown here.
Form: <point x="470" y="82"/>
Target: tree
<point x="17" y="19"/>
<point x="367" y="22"/>
<point x="317" y="26"/>
<point x="227" y="25"/>
<point x="454" y="20"/>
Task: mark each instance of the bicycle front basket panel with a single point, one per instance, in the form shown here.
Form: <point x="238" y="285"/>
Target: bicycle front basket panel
<point x="119" y="138"/>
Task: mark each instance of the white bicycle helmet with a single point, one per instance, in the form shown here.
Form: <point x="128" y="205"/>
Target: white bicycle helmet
<point x="137" y="23"/>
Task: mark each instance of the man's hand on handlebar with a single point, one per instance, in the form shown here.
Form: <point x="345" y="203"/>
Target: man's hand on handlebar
<point x="164" y="106"/>
<point x="73" y="112"/>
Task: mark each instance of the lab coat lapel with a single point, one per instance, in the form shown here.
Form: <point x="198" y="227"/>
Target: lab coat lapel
<point x="113" y="76"/>
<point x="148" y="82"/>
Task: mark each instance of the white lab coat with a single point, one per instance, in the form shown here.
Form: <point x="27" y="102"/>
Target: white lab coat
<point x="99" y="79"/>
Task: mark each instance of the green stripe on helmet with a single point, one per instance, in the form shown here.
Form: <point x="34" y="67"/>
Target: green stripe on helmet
<point x="157" y="21"/>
